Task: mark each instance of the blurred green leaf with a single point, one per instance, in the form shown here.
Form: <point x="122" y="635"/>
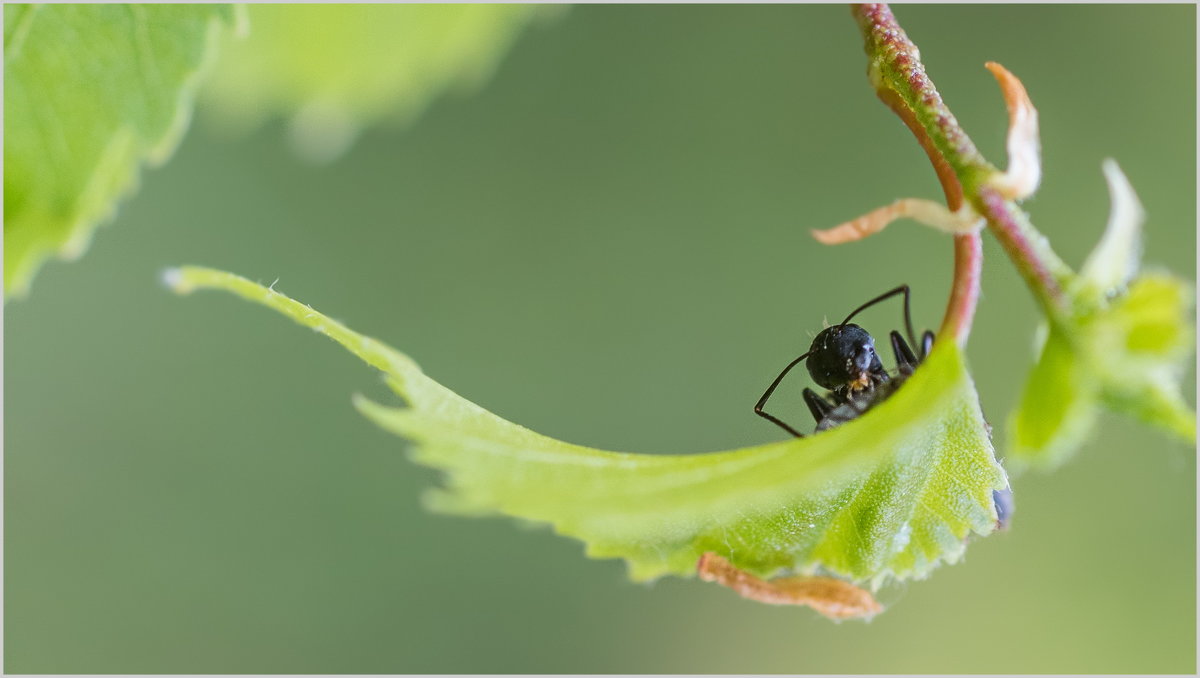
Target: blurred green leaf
<point x="334" y="69"/>
<point x="1141" y="346"/>
<point x="888" y="496"/>
<point x="90" y="91"/>
<point x="1058" y="405"/>
<point x="1124" y="346"/>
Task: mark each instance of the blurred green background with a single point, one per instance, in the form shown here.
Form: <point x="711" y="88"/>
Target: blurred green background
<point x="609" y="244"/>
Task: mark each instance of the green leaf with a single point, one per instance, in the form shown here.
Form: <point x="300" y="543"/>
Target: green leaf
<point x="90" y="91"/>
<point x="888" y="496"/>
<point x="334" y="69"/>
<point x="1123" y="346"/>
<point x="1058" y="405"/>
<point x="1140" y="346"/>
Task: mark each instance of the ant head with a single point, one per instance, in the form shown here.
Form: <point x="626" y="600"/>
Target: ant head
<point x="842" y="356"/>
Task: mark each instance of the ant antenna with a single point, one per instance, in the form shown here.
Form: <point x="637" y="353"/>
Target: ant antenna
<point x="758" y="409"/>
<point x="887" y="295"/>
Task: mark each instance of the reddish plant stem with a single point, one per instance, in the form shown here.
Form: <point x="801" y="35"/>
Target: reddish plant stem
<point x="1022" y="244"/>
<point x="895" y="65"/>
<point x="900" y="81"/>
<point x="945" y="173"/>
<point x="968" y="248"/>
<point x="964" y="295"/>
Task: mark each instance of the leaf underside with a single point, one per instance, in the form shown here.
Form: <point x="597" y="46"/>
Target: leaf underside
<point x="90" y="92"/>
<point x="888" y="496"/>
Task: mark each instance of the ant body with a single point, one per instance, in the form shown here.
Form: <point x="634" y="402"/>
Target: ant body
<point x="842" y="358"/>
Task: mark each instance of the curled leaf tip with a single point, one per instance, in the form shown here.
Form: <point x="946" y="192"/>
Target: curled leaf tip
<point x="926" y="212"/>
<point x="173" y="279"/>
<point x="832" y="598"/>
<point x="1024" y="145"/>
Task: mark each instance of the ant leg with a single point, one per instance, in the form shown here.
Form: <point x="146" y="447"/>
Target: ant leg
<point x="905" y="360"/>
<point x="758" y="409"/>
<point x="819" y="406"/>
<point x="903" y="289"/>
<point x="926" y="344"/>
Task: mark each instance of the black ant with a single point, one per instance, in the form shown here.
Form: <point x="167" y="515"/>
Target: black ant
<point x="842" y="359"/>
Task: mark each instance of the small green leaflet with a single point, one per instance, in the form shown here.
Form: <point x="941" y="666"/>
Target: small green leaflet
<point x="90" y="92"/>
<point x="888" y="496"/>
<point x="1126" y="356"/>
<point x="1123" y="346"/>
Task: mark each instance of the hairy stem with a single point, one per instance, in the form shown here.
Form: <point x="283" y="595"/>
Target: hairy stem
<point x="964" y="295"/>
<point x="900" y="80"/>
<point x="895" y="66"/>
<point x="1042" y="269"/>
